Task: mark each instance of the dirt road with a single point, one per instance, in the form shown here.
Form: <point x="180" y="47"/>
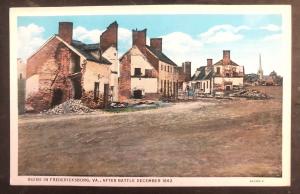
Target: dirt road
<point x="203" y="138"/>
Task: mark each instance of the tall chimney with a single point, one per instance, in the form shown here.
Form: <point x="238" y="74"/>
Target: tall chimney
<point x="226" y="57"/>
<point x="209" y="62"/>
<point x="65" y="31"/>
<point x="187" y="69"/>
<point x="156" y="43"/>
<point x="109" y="37"/>
<point x="139" y="37"/>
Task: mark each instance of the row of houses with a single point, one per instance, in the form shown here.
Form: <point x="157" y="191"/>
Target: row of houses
<point x="224" y="75"/>
<point x="63" y="68"/>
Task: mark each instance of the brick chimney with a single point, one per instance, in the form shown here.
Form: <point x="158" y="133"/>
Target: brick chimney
<point x="209" y="62"/>
<point x="226" y="57"/>
<point x="139" y="37"/>
<point x="65" y="31"/>
<point x="156" y="43"/>
<point x="109" y="37"/>
<point x="187" y="70"/>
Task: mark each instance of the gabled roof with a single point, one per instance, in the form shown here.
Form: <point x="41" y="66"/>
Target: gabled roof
<point x="85" y="49"/>
<point x="160" y="55"/>
<point x="202" y="75"/>
<point x="79" y="48"/>
<point x="221" y="63"/>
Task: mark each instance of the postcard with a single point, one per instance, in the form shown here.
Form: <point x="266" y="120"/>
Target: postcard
<point x="151" y="96"/>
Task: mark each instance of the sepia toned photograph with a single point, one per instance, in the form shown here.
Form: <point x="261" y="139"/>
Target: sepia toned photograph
<point x="148" y="96"/>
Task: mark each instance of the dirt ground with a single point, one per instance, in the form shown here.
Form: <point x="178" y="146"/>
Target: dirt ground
<point x="203" y="138"/>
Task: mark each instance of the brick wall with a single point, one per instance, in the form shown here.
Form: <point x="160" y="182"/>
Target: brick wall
<point x="125" y="78"/>
<point x="51" y="63"/>
<point x="109" y="37"/>
<point x="139" y="38"/>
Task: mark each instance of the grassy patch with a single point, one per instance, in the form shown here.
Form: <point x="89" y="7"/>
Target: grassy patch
<point x="128" y="109"/>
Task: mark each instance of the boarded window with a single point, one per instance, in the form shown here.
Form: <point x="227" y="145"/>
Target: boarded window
<point x="96" y="91"/>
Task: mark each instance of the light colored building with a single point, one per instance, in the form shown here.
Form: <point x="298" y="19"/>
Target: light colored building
<point x="222" y="76"/>
<point x="201" y="80"/>
<point x="146" y="72"/>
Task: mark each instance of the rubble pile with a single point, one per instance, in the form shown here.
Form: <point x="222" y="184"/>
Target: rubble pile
<point x="119" y="105"/>
<point x="250" y="94"/>
<point x="70" y="106"/>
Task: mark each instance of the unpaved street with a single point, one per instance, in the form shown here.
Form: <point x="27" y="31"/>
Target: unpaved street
<point x="208" y="137"/>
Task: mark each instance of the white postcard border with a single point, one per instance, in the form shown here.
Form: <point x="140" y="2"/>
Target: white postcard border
<point x="284" y="10"/>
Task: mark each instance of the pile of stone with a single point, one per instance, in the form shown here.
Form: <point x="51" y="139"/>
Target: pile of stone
<point x="70" y="106"/>
<point x="250" y="94"/>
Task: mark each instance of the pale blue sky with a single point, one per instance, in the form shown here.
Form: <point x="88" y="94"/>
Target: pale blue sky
<point x="185" y="37"/>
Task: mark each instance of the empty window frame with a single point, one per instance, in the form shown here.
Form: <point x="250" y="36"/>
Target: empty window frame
<point x="137" y="72"/>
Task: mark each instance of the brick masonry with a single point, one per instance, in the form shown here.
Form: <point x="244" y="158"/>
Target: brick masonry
<point x="52" y="63"/>
<point x="125" y="78"/>
<point x="109" y="37"/>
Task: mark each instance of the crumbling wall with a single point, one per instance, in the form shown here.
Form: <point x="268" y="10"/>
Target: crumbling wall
<point x="51" y="63"/>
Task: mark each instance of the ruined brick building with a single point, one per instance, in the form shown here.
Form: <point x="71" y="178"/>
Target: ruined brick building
<point x="219" y="77"/>
<point x="145" y="71"/>
<point x="64" y="68"/>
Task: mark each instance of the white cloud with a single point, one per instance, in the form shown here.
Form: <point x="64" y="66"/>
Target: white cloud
<point x="89" y="36"/>
<point x="223" y="33"/>
<point x="124" y="38"/>
<point x="181" y="47"/>
<point x="273" y="37"/>
<point x="124" y="34"/>
<point x="29" y="40"/>
<point x="271" y="27"/>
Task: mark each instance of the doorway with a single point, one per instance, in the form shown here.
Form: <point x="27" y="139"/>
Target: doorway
<point x="137" y="94"/>
<point x="57" y="97"/>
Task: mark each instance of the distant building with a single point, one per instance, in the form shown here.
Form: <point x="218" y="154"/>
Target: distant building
<point x="260" y="71"/>
<point x="64" y="68"/>
<point x="222" y="76"/>
<point x="146" y="72"/>
<point x="202" y="79"/>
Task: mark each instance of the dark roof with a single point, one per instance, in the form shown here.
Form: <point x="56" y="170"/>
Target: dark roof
<point x="201" y="75"/>
<point x="85" y="49"/>
<point x="221" y="63"/>
<point x="161" y="56"/>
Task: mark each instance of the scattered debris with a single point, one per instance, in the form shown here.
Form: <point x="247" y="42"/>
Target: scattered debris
<point x="70" y="106"/>
<point x="250" y="94"/>
<point x="119" y="105"/>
